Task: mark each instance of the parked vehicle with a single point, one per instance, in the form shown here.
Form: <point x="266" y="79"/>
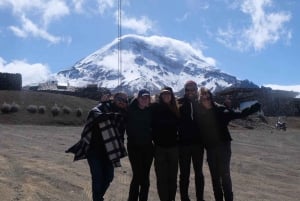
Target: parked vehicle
<point x="280" y="125"/>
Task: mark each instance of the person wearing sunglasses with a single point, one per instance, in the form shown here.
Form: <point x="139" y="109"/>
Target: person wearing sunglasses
<point x="191" y="148"/>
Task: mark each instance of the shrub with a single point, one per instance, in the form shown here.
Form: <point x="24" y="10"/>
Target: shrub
<point x="14" y="107"/>
<point x="66" y="110"/>
<point x="42" y="109"/>
<point x="5" y="108"/>
<point x="78" y="112"/>
<point x="55" y="110"/>
<point x="32" y="109"/>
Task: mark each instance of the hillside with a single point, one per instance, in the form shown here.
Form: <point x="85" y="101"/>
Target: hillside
<point x="26" y="98"/>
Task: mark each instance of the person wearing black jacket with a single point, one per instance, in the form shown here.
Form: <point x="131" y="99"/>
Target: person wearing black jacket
<point x="213" y="120"/>
<point x="191" y="148"/>
<point x="165" y="119"/>
<point x="139" y="145"/>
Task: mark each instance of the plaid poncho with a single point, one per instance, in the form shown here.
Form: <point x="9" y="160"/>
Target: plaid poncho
<point x="108" y="123"/>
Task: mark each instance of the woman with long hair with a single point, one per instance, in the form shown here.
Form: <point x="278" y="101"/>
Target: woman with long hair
<point x="139" y="145"/>
<point x="213" y="120"/>
<point x="165" y="118"/>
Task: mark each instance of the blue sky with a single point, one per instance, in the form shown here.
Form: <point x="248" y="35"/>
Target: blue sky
<point x="251" y="39"/>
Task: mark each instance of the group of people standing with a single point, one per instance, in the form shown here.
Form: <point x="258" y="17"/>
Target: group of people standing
<point x="172" y="132"/>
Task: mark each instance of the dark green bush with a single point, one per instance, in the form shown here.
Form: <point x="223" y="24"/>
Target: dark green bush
<point x="55" y="110"/>
<point x="14" y="107"/>
<point x="32" y="109"/>
<point x="5" y="108"/>
<point x="66" y="110"/>
<point x="42" y="109"/>
<point x="78" y="112"/>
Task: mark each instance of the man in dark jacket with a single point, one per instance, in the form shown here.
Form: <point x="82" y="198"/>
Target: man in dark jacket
<point x="102" y="142"/>
<point x="191" y="149"/>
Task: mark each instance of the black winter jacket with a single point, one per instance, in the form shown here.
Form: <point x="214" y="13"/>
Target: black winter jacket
<point x="138" y="127"/>
<point x="164" y="125"/>
<point x="213" y="123"/>
<point x="189" y="132"/>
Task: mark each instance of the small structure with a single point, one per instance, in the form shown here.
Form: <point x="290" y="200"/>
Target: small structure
<point x="9" y="81"/>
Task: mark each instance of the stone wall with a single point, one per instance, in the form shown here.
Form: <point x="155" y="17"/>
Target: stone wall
<point x="9" y="81"/>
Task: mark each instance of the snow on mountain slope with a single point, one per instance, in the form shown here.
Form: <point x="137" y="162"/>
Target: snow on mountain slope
<point x="147" y="62"/>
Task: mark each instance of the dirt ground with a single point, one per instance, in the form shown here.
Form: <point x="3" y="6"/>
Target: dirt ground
<point x="265" y="166"/>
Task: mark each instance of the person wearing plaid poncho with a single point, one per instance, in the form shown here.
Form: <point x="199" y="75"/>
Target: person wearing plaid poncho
<point x="102" y="142"/>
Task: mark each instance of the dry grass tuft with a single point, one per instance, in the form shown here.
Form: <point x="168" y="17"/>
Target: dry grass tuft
<point x="22" y="100"/>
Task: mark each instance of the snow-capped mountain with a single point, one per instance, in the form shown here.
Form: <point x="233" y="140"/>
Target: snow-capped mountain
<point x="148" y="62"/>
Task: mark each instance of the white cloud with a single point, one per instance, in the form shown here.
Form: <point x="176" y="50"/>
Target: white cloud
<point x="22" y="6"/>
<point x="53" y="10"/>
<point x="78" y="5"/>
<point x="103" y="5"/>
<point x="184" y="49"/>
<point x="183" y="18"/>
<point x="18" y="32"/>
<point x="35" y="16"/>
<point x="95" y="6"/>
<point x="31" y="73"/>
<point x="48" y="10"/>
<point x="193" y="6"/>
<point x="198" y="44"/>
<point x="143" y="25"/>
<point x="28" y="28"/>
<point x="265" y="28"/>
<point x="196" y="5"/>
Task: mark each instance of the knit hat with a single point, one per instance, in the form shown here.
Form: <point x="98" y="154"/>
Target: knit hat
<point x="143" y="92"/>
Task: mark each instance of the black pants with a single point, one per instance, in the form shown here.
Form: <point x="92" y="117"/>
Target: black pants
<point x="187" y="155"/>
<point x="218" y="159"/>
<point x="140" y="158"/>
<point x="166" y="169"/>
<point x="102" y="172"/>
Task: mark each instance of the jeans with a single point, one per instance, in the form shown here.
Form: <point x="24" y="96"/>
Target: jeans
<point x="102" y="172"/>
<point x="166" y="169"/>
<point x="218" y="159"/>
<point x="140" y="158"/>
<point x="191" y="154"/>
